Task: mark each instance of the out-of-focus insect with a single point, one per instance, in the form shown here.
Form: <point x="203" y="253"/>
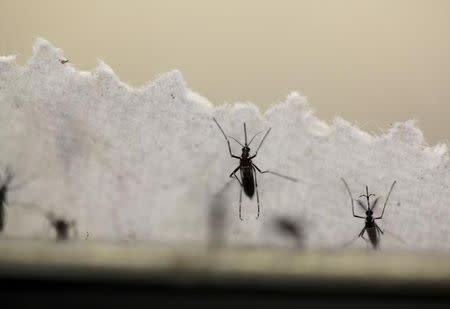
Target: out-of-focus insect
<point x="247" y="168"/>
<point x="62" y="226"/>
<point x="5" y="186"/>
<point x="370" y="226"/>
<point x="63" y="61"/>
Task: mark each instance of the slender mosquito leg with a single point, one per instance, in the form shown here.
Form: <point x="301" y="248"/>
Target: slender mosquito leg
<point x="240" y="203"/>
<point x="387" y="199"/>
<point x="378" y="228"/>
<point x="362" y="233"/>
<point x="233" y="174"/>
<point x="350" y="242"/>
<point x="226" y="138"/>
<point x="276" y="174"/>
<point x="257" y="194"/>
<point x="351" y="199"/>
<point x="260" y="144"/>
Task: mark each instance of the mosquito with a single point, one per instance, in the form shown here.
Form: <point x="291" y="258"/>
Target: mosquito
<point x="6" y="187"/>
<point x="370" y="226"/>
<point x="247" y="168"/>
<point x="62" y="226"/>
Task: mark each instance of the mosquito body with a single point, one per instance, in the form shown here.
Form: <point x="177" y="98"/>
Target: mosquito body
<point x="372" y="229"/>
<point x="247" y="168"/>
<point x="62" y="226"/>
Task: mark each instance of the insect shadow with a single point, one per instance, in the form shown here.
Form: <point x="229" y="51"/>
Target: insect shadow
<point x="290" y="228"/>
<point x="6" y="186"/>
<point x="62" y="226"/>
<point x="247" y="168"/>
<point x="372" y="229"/>
<point x="217" y="213"/>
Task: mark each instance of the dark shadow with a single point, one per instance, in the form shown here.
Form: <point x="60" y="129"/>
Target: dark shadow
<point x="217" y="212"/>
<point x="293" y="228"/>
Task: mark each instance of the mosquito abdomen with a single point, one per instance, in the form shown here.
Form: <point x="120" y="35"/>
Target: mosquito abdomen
<point x="373" y="236"/>
<point x="248" y="181"/>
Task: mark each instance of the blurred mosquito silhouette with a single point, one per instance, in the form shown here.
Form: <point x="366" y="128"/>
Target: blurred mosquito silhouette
<point x="62" y="226"/>
<point x="5" y="187"/>
<point x="291" y="228"/>
<point x="63" y="61"/>
<point x="370" y="226"/>
<point x="247" y="168"/>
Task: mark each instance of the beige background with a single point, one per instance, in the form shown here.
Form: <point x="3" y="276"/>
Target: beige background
<point x="372" y="62"/>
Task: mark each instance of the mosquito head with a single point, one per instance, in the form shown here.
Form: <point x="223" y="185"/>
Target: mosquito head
<point x="245" y="151"/>
<point x="369" y="213"/>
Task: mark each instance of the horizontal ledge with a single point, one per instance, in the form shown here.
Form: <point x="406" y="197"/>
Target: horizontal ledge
<point x="255" y="267"/>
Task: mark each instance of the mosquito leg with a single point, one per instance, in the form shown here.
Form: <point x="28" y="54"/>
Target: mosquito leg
<point x="257" y="193"/>
<point x="350" y="242"/>
<point x="387" y="199"/>
<point x="362" y="233"/>
<point x="226" y="138"/>
<point x="260" y="144"/>
<point x="233" y="174"/>
<point x="240" y="203"/>
<point x="276" y="174"/>
<point x="378" y="228"/>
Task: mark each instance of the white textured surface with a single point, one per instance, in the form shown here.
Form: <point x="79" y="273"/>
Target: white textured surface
<point x="149" y="163"/>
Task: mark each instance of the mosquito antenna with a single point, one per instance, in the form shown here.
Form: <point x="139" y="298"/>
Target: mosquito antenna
<point x="260" y="144"/>
<point x="387" y="198"/>
<point x="254" y="137"/>
<point x="245" y="134"/>
<point x="236" y="140"/>
<point x="349" y="194"/>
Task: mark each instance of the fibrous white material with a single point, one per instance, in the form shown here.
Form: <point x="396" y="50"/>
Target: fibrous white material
<point x="150" y="164"/>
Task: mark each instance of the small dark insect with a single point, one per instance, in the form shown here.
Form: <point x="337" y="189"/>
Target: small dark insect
<point x="247" y="168"/>
<point x="370" y="226"/>
<point x="62" y="226"/>
<point x="63" y="61"/>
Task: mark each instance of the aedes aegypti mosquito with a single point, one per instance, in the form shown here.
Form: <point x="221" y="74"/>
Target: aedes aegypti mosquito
<point x="370" y="226"/>
<point x="247" y="168"/>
